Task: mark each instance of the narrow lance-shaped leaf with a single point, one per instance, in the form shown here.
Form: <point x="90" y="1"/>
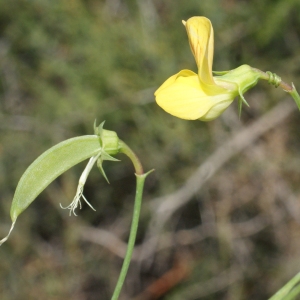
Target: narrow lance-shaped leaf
<point x="49" y="166"/>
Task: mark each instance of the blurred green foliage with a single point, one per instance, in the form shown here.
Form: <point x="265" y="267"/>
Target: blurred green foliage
<point x="66" y="63"/>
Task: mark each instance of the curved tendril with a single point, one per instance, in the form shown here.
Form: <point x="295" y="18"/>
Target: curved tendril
<point x="273" y="79"/>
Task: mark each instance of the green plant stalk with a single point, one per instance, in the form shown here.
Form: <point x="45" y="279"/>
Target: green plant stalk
<point x="140" y="179"/>
<point x="287" y="292"/>
<point x="276" y="80"/>
<point x="123" y="148"/>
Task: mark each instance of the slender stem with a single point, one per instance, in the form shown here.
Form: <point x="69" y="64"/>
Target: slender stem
<point x="140" y="179"/>
<point x="265" y="76"/>
<point x="135" y="160"/>
<point x="286" y="87"/>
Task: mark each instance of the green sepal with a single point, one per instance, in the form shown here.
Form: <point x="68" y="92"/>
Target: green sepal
<point x="99" y="165"/>
<point x="98" y="131"/>
<point x="241" y="100"/>
<point x="220" y="72"/>
<point x="110" y="145"/>
<point x="104" y="156"/>
<point x="108" y="139"/>
<point x="244" y="77"/>
<point x="240" y="106"/>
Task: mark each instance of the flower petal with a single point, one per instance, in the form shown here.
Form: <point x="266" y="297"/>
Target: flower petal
<point x="182" y="96"/>
<point x="216" y="110"/>
<point x="201" y="38"/>
<point x="172" y="79"/>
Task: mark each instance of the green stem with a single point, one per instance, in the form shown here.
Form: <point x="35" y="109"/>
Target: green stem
<point x="140" y="179"/>
<point x="285" y="86"/>
<point x="123" y="148"/>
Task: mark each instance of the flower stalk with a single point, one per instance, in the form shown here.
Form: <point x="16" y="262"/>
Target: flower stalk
<point x="274" y="79"/>
<point x="140" y="180"/>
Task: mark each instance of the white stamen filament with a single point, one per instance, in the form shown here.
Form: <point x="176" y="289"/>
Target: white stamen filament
<point x="79" y="193"/>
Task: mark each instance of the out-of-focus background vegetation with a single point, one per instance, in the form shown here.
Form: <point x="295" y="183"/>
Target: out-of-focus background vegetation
<point x="65" y="63"/>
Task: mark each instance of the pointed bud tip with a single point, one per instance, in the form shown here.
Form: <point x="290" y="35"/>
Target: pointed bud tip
<point x="183" y="22"/>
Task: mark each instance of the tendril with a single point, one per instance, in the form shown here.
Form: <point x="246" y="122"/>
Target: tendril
<point x="273" y="79"/>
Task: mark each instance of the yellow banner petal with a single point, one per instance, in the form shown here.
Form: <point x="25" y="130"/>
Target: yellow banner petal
<point x="201" y="38"/>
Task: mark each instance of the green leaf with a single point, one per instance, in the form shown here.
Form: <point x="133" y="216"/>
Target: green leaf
<point x="49" y="166"/>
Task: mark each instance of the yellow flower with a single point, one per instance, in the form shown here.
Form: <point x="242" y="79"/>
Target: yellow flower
<point x="192" y="96"/>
